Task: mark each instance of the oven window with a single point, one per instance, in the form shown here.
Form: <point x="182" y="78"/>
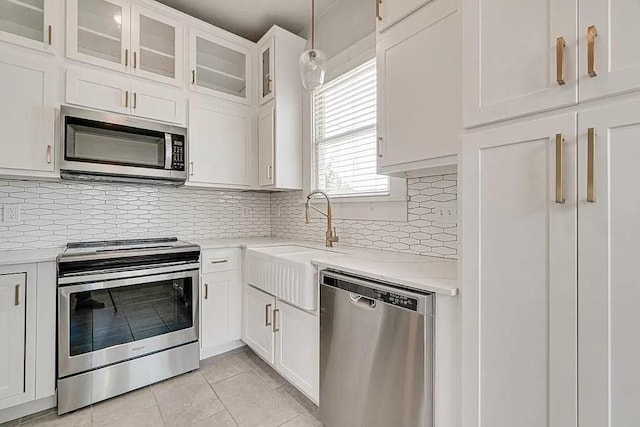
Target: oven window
<point x="116" y="145"/>
<point x="109" y="317"/>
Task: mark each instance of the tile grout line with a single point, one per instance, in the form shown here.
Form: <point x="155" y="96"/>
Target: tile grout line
<point x="220" y="399"/>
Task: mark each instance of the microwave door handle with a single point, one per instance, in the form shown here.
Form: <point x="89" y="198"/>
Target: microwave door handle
<point x="168" y="151"/>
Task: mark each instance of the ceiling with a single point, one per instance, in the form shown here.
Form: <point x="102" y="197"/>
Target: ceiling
<point x="252" y="18"/>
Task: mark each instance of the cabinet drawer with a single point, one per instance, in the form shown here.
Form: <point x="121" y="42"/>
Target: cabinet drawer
<point x="219" y="260"/>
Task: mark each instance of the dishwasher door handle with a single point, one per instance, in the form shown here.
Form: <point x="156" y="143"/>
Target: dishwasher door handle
<point x="362" y="301"/>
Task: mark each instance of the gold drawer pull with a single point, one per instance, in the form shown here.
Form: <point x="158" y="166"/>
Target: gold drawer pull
<point x="49" y="154"/>
<point x="49" y="29"/>
<point x="591" y="146"/>
<point x="126" y="99"/>
<point x="206" y="291"/>
<point x="17" y="296"/>
<point x="560" y="44"/>
<point x="378" y="16"/>
<point x="592" y="33"/>
<point x="559" y="169"/>
<point x="275" y="320"/>
<point x="135" y="59"/>
<point x="266" y="315"/>
<point x="135" y="99"/>
<point x="126" y="57"/>
<point x="219" y="261"/>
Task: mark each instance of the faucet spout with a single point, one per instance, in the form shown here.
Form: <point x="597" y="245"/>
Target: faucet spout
<point x="331" y="236"/>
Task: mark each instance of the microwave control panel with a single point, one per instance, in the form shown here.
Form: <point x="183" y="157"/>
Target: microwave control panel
<point x="178" y="155"/>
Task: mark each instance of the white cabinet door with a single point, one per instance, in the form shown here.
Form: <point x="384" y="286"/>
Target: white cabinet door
<point x="519" y="336"/>
<point x="103" y="91"/>
<point x="156" y="46"/>
<point x="98" y="32"/>
<point x="266" y="144"/>
<point x="220" y="137"/>
<point x="616" y="57"/>
<point x="219" y="67"/>
<point x="216" y="325"/>
<point x="258" y="322"/>
<point x="27" y="85"/>
<point x="390" y="12"/>
<point x="29" y="23"/>
<point x="153" y="101"/>
<point x="609" y="341"/>
<point x="12" y="335"/>
<point x="419" y="95"/>
<point x="267" y="71"/>
<point x="510" y="58"/>
<point x="297" y="347"/>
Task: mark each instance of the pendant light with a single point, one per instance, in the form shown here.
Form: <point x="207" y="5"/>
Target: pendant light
<point x="312" y="61"/>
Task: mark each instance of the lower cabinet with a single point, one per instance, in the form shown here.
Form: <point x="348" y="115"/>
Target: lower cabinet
<point x="284" y="336"/>
<point x="13" y="315"/>
<point x="220" y="303"/>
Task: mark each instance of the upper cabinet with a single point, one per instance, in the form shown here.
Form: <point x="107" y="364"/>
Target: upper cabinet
<point x="116" y="35"/>
<point x="28" y="23"/>
<point x="219" y="67"/>
<point x="389" y="12"/>
<point x="265" y="59"/>
<point x="519" y="58"/>
<point x="419" y="103"/>
<point x="608" y="37"/>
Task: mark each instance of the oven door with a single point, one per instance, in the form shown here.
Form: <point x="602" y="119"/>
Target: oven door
<point x="105" y="322"/>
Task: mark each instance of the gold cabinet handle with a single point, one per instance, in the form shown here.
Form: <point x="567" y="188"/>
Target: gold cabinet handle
<point x="379" y="146"/>
<point x="49" y="154"/>
<point x="592" y="33"/>
<point x="206" y="291"/>
<point x="378" y="16"/>
<point x="560" y="44"/>
<point x="49" y="30"/>
<point x="275" y="321"/>
<point x="17" y="295"/>
<point x="193" y="77"/>
<point x="135" y="99"/>
<point x="126" y="57"/>
<point x="191" y="172"/>
<point x="126" y="99"/>
<point x="591" y="146"/>
<point x="266" y="315"/>
<point x="559" y="168"/>
<point x="219" y="261"/>
<point x="269" y="85"/>
<point x="135" y="59"/>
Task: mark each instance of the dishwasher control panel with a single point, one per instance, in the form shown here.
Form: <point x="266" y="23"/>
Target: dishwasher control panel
<point x="397" y="299"/>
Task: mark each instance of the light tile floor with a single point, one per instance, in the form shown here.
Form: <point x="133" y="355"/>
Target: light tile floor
<point x="233" y="389"/>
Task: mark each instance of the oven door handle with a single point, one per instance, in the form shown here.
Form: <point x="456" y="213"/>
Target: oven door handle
<point x="109" y="284"/>
<point x="168" y="151"/>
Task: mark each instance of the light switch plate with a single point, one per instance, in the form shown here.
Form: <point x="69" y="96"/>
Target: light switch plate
<point x="11" y="214"/>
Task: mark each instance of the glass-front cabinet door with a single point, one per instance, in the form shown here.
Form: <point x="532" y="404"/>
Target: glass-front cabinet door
<point x="266" y="60"/>
<point x="28" y="22"/>
<point x="156" y="44"/>
<point x="98" y="32"/>
<point x="219" y="68"/>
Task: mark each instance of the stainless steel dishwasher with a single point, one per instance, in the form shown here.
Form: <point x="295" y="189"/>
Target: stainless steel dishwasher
<point x="376" y="353"/>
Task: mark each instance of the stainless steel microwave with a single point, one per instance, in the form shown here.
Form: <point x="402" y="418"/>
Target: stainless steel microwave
<point x="116" y="147"/>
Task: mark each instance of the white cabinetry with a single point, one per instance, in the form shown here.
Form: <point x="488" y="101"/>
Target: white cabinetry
<point x="419" y="64"/>
<point x="220" y="302"/>
<point x="220" y="142"/>
<point x="123" y="95"/>
<point x="284" y="336"/>
<point x="27" y="84"/>
<point x="514" y="63"/>
<point x="608" y="292"/>
<point x="390" y="12"/>
<point x="29" y="23"/>
<point x="520" y="276"/>
<point x="266" y="144"/>
<point x="27" y="336"/>
<point x="116" y="35"/>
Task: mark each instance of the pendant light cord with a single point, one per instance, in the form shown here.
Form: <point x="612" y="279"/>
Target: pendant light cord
<point x="313" y="23"/>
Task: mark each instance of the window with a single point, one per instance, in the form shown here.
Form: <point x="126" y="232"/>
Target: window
<point x="344" y="135"/>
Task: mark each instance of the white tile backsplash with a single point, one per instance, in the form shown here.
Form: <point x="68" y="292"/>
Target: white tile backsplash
<point x="420" y="234"/>
<point x="54" y="213"/>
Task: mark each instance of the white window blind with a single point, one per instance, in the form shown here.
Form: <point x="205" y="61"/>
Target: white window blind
<point x="344" y="135"/>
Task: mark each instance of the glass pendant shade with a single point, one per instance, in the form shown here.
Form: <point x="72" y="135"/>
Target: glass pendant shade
<point x="313" y="64"/>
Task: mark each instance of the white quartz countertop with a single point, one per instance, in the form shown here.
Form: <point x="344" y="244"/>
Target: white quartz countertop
<point x="423" y="273"/>
<point x="28" y="256"/>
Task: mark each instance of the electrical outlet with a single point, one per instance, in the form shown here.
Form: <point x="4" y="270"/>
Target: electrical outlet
<point x="11" y="214"/>
<point x="279" y="210"/>
<point x="447" y="213"/>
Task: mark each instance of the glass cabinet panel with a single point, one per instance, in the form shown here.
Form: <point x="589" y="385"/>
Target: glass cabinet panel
<point x="220" y="68"/>
<point x="24" y="18"/>
<point x="157" y="47"/>
<point x="100" y="30"/>
<point x="266" y="72"/>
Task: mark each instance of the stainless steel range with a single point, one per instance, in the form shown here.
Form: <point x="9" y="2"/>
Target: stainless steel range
<point x="127" y="317"/>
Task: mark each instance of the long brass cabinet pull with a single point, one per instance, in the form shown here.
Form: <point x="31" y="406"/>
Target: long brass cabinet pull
<point x="275" y="320"/>
<point x="126" y="99"/>
<point x="219" y="261"/>
<point x="267" y="309"/>
<point x="48" y="153"/>
<point x="559" y="168"/>
<point x="135" y="99"/>
<point x="378" y="16"/>
<point x="206" y="291"/>
<point x="592" y="33"/>
<point x="126" y="57"/>
<point x="591" y="146"/>
<point x="193" y="77"/>
<point x="135" y="59"/>
<point x="17" y="295"/>
<point x="49" y="30"/>
<point x="560" y="44"/>
<point x="191" y="172"/>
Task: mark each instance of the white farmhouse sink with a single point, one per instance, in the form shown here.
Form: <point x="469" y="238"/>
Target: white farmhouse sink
<point x="286" y="272"/>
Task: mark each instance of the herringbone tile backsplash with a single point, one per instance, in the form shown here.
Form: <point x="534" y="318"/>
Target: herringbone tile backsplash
<point x="54" y="213"/>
